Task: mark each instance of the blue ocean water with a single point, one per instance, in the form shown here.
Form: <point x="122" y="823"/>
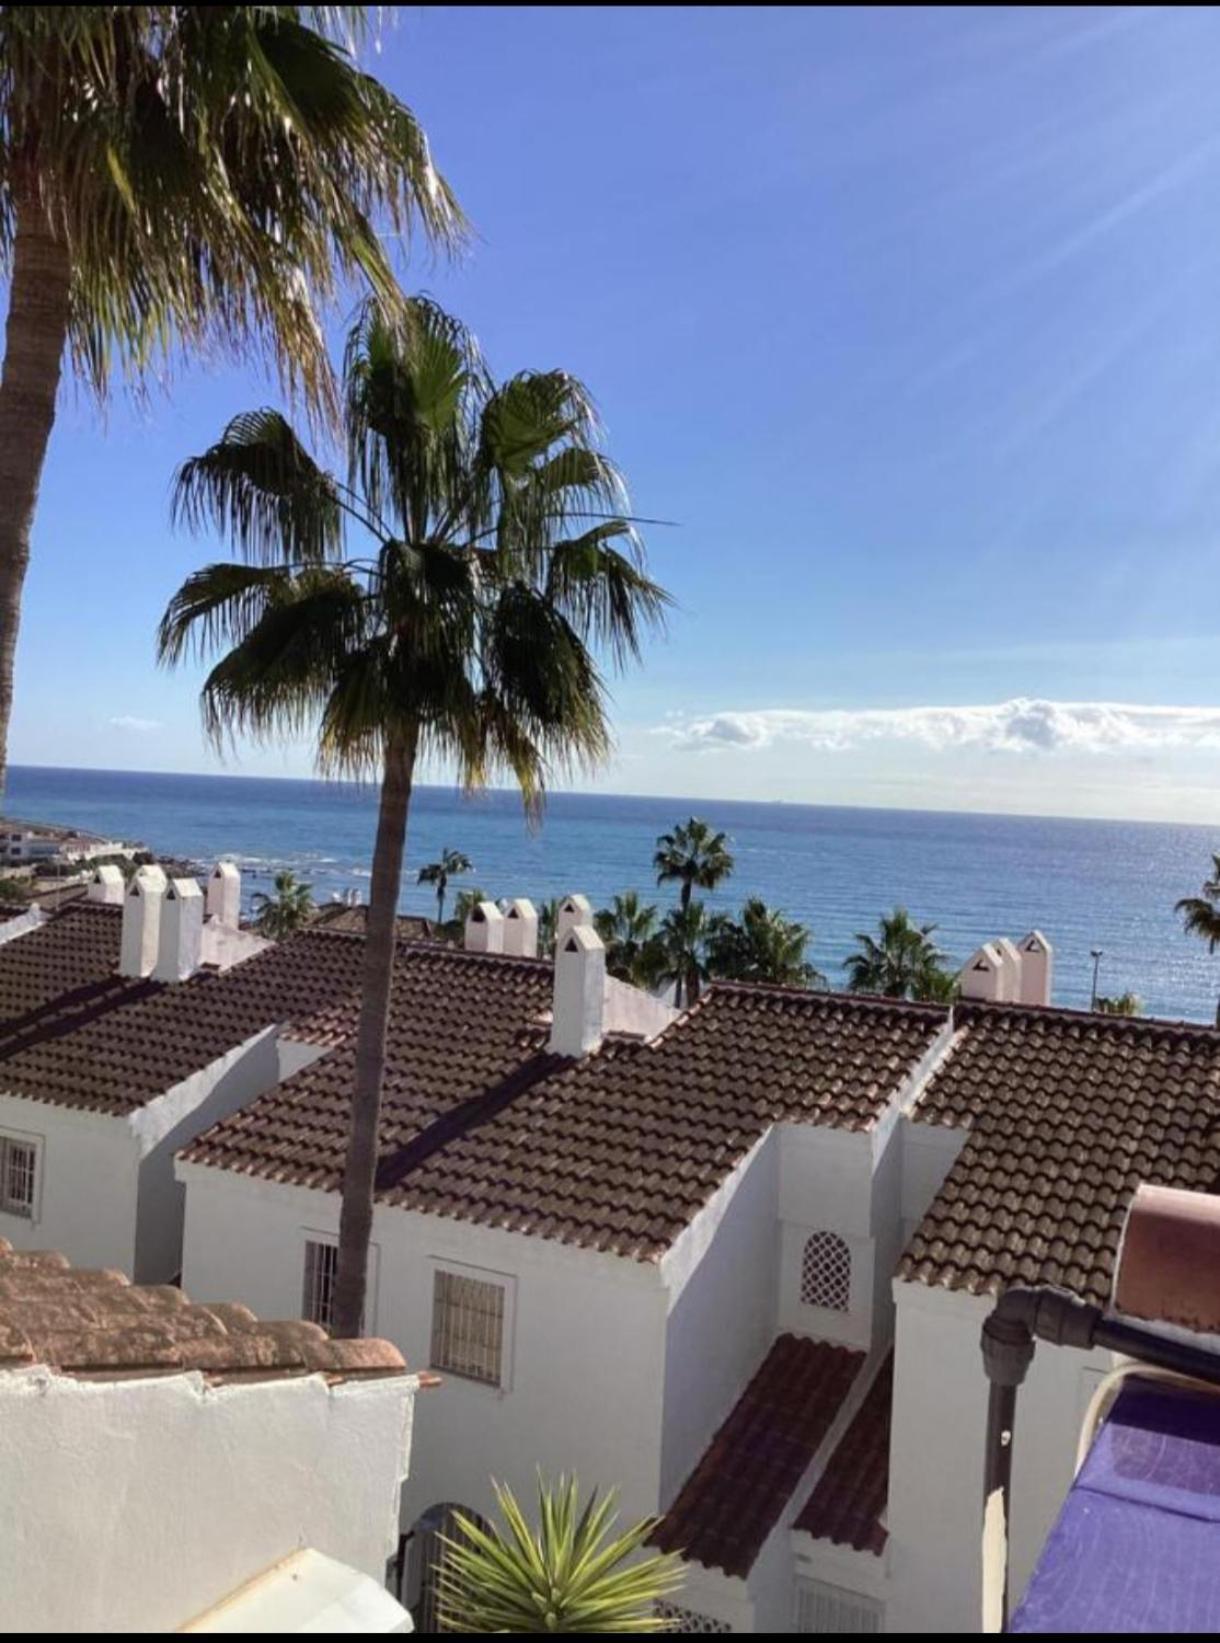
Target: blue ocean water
<point x="1085" y="884"/>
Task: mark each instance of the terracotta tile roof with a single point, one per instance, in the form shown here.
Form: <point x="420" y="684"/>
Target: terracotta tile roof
<point x="616" y="1152"/>
<point x="75" y="1033"/>
<point x="1066" y="1113"/>
<point x="336" y="916"/>
<point x="734" y="1497"/>
<point x="100" y="1326"/>
<point x="849" y="1499"/>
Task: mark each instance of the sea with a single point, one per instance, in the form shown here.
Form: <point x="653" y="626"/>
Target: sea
<point x="1090" y="886"/>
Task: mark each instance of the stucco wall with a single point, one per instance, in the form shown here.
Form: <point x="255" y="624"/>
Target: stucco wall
<point x="135" y="1505"/>
<point x="87" y="1172"/>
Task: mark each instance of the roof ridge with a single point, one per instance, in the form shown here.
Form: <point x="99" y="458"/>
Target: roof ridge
<point x="1095" y="1018"/>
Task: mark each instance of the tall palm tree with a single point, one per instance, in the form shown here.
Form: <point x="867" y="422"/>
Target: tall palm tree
<point x="684" y="938"/>
<point x="1200" y="914"/>
<point x="902" y="961"/>
<point x="762" y="945"/>
<point x="450" y="865"/>
<point x="693" y="856"/>
<point x="180" y="179"/>
<point x="494" y="559"/>
<point x="629" y="929"/>
<point x="287" y="910"/>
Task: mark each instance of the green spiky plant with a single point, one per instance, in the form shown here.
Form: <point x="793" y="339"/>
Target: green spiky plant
<point x="900" y="961"/>
<point x="761" y="945"/>
<point x="287" y="909"/>
<point x="570" y="1574"/>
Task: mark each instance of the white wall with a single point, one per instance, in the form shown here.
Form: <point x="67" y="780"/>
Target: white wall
<point x="87" y="1184"/>
<point x="135" y="1505"/>
<point x="936" y="1457"/>
<point x="826" y="1184"/>
<point x="586" y="1337"/>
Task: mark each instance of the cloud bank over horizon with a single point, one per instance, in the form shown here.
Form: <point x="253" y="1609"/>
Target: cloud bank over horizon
<point x="1022" y="725"/>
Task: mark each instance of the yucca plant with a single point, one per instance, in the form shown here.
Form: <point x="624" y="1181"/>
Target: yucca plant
<point x="570" y="1574"/>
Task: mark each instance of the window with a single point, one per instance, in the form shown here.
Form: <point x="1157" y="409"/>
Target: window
<point x="321" y="1265"/>
<point x="18" y="1175"/>
<point x="689" y="1620"/>
<point x="826" y="1272"/>
<point x="823" y="1608"/>
<point x="468" y="1327"/>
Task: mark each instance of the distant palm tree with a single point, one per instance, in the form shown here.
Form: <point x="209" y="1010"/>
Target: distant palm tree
<point x="1201" y="914"/>
<point x="762" y="945"/>
<point x="287" y="910"/>
<point x="629" y="930"/>
<point x="548" y="924"/>
<point x="693" y="856"/>
<point x="452" y="863"/>
<point x="902" y="961"/>
<point x="1123" y="1004"/>
<point x="683" y="941"/>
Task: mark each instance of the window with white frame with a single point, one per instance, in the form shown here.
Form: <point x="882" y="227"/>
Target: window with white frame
<point x="18" y="1175"/>
<point x="689" y="1620"/>
<point x="468" y="1326"/>
<point x="824" y="1608"/>
<point x="826" y="1272"/>
<point x="321" y="1268"/>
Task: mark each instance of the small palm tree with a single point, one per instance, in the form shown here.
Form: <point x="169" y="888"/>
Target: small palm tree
<point x="1200" y="914"/>
<point x="902" y="961"/>
<point x="184" y="178"/>
<point x="629" y="930"/>
<point x="548" y="923"/>
<point x="1127" y="1004"/>
<point x="762" y="946"/>
<point x="693" y="856"/>
<point x="684" y="939"/>
<point x="569" y="1574"/>
<point x="495" y="560"/>
<point x="285" y="911"/>
<point x="452" y="863"/>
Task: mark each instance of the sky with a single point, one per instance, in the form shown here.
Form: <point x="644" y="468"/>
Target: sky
<point x="908" y="320"/>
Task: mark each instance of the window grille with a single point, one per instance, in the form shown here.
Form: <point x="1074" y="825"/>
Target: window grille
<point x="689" y="1620"/>
<point x="468" y="1327"/>
<point x="321" y="1268"/>
<point x="823" y="1608"/>
<point x="826" y="1272"/>
<point x="18" y="1176"/>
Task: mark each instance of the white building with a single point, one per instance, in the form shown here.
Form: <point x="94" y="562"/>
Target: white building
<point x="121" y="1037"/>
<point x="152" y="1454"/>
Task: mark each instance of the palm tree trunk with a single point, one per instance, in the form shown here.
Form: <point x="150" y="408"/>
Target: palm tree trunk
<point x="359" y="1176"/>
<point x="34" y="338"/>
<point x="440" y="902"/>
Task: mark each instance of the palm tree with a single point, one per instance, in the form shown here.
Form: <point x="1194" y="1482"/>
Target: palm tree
<point x="1126" y="1004"/>
<point x="1201" y="914"/>
<point x="466" y="903"/>
<point x="762" y="946"/>
<point x="287" y="910"/>
<point x="179" y="179"/>
<point x="494" y="557"/>
<point x="452" y="863"/>
<point x="629" y="930"/>
<point x="901" y="962"/>
<point x="548" y="923"/>
<point x="684" y="938"/>
<point x="569" y="1574"/>
<point x="693" y="856"/>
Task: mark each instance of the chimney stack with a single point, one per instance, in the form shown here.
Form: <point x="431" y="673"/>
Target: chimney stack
<point x="106" y="886"/>
<point x="224" y="894"/>
<point x="485" y="929"/>
<point x="141" y="932"/>
<point x="580" y="992"/>
<point x="1010" y="960"/>
<point x="983" y="975"/>
<point x="521" y="929"/>
<point x="1037" y="968"/>
<point x="180" y="947"/>
<point x="573" y="913"/>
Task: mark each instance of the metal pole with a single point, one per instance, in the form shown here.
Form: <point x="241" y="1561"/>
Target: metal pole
<point x="1096" y="955"/>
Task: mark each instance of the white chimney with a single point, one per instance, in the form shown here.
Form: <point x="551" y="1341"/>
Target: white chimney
<point x="1037" y="968"/>
<point x="224" y="894"/>
<point x="106" y="885"/>
<point x="141" y="930"/>
<point x="573" y="913"/>
<point x="521" y="929"/>
<point x="580" y="992"/>
<point x="1010" y="958"/>
<point x="984" y="975"/>
<point x="485" y="929"/>
<point x="181" y="939"/>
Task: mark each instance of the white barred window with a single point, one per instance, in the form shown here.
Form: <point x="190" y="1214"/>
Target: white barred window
<point x="824" y="1608"/>
<point x="321" y="1267"/>
<point x="689" y="1620"/>
<point x="826" y="1272"/>
<point x="468" y="1327"/>
<point x="18" y="1175"/>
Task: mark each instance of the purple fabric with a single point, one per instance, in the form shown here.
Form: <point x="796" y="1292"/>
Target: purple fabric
<point x="1136" y="1547"/>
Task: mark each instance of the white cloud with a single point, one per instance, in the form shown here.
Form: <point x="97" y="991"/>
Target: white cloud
<point x="1023" y="725"/>
<point x="129" y="721"/>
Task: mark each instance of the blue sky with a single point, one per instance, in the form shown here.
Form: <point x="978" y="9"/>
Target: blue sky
<point x="910" y="319"/>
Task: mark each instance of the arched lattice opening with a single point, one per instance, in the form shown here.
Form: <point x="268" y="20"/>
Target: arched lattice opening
<point x="425" y="1552"/>
<point x="826" y="1272"/>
